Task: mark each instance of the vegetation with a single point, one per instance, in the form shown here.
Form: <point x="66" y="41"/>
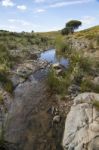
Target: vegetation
<point x="24" y="40"/>
<point x="16" y="47"/>
<point x="58" y="84"/>
<point x="96" y="104"/>
<point x="5" y="58"/>
<point x="65" y="31"/>
<point x="61" y="45"/>
<point x="1" y="98"/>
<point x="80" y="70"/>
<point x="91" y="33"/>
<point x="6" y="83"/>
<point x="71" y="26"/>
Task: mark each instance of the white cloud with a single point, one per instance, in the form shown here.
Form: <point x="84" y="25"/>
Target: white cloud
<point x="88" y="20"/>
<point x="9" y="27"/>
<point x="22" y="7"/>
<point x="39" y="10"/>
<point x="61" y="3"/>
<point x="7" y="3"/>
<point x="19" y="22"/>
<point x="67" y="2"/>
<point x="20" y="25"/>
<point x="39" y="1"/>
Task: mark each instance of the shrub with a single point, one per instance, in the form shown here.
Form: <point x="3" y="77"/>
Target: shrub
<point x="61" y="45"/>
<point x="97" y="40"/>
<point x="91" y="46"/>
<point x="85" y="63"/>
<point x="58" y="84"/>
<point x="86" y="85"/>
<point x="96" y="104"/>
<point x="6" y="83"/>
<point x="4" y="56"/>
<point x="8" y="86"/>
<point x="89" y="86"/>
<point x="52" y="80"/>
<point x="1" y="98"/>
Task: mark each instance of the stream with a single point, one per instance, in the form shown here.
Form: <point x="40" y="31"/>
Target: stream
<point x="52" y="57"/>
<point x="29" y="125"/>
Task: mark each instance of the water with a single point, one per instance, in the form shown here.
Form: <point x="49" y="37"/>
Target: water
<point x="52" y="57"/>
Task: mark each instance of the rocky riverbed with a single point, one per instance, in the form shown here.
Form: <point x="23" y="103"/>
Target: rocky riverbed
<point x="34" y="117"/>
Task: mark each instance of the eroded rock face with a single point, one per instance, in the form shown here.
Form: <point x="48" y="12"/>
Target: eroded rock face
<point x="82" y="124"/>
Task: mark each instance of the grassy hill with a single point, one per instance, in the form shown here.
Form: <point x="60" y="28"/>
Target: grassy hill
<point x="24" y="40"/>
<point x="51" y="34"/>
<point x="16" y="47"/>
<point x="89" y="33"/>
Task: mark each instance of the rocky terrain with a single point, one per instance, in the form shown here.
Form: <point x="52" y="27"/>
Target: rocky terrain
<point x="82" y="124"/>
<point x="35" y="117"/>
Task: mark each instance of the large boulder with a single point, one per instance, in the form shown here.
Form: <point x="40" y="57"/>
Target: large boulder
<point x="82" y="124"/>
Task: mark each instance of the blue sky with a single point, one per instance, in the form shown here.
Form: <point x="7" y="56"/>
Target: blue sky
<point x="46" y="15"/>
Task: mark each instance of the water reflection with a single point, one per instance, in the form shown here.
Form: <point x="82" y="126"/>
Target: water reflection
<point x="52" y="57"/>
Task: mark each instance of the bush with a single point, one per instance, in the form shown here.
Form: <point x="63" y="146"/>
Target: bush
<point x="61" y="45"/>
<point x="6" y="83"/>
<point x="52" y="80"/>
<point x="91" y="46"/>
<point x="1" y="98"/>
<point x="96" y="104"/>
<point x="58" y="85"/>
<point x="8" y="86"/>
<point x="4" y="56"/>
<point x="89" y="86"/>
<point x="97" y="40"/>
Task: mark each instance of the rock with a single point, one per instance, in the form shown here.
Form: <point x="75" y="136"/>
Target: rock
<point x="24" y="72"/>
<point x="59" y="72"/>
<point x="16" y="80"/>
<point x="56" y="66"/>
<point x="33" y="56"/>
<point x="73" y="89"/>
<point x="96" y="80"/>
<point x="56" y="119"/>
<point x="59" y="69"/>
<point x="82" y="126"/>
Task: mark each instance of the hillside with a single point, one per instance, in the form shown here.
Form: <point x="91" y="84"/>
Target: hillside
<point x="25" y="42"/>
<point x="88" y="33"/>
<point x="51" y="34"/>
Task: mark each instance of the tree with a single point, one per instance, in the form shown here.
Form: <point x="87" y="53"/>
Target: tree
<point x="65" y="31"/>
<point x="73" y="25"/>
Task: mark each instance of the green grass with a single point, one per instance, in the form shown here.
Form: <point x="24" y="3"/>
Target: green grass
<point x="61" y="45"/>
<point x="6" y="83"/>
<point x="79" y="67"/>
<point x="5" y="58"/>
<point x="21" y="41"/>
<point x="58" y="85"/>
